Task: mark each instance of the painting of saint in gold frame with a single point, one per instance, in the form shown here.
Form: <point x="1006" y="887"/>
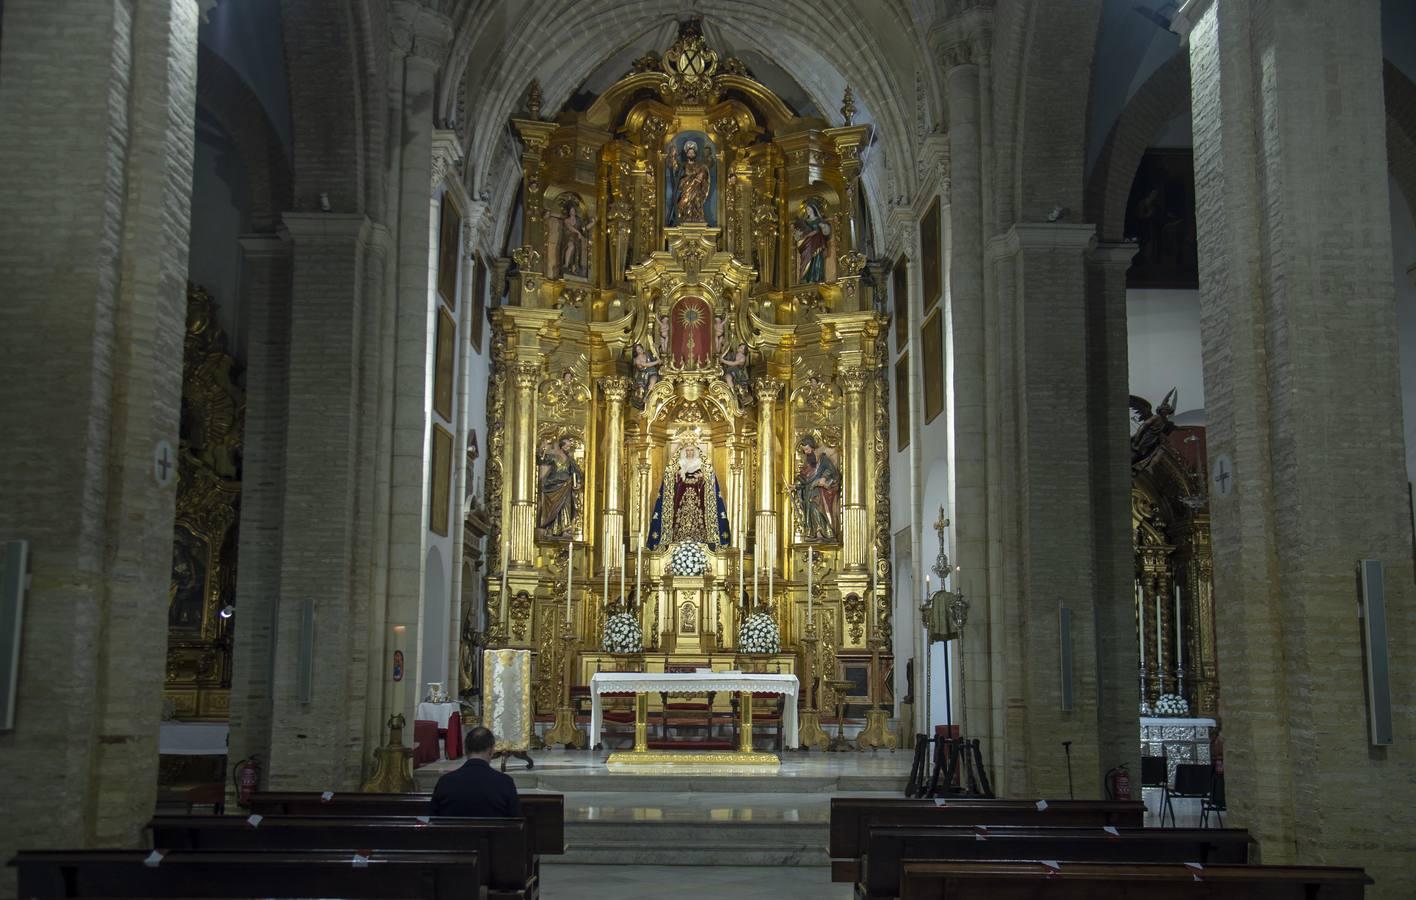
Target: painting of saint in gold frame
<point x="932" y="275"/>
<point x="439" y="504"/>
<point x="449" y="243"/>
<point x="443" y="361"/>
<point x="932" y="355"/>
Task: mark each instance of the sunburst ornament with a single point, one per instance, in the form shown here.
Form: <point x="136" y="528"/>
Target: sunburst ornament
<point x="691" y="314"/>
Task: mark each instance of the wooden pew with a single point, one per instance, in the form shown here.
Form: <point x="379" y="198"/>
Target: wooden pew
<point x="852" y="816"/>
<point x="888" y="846"/>
<point x="291" y="873"/>
<point x="544" y="813"/>
<point x="1127" y="881"/>
<point x="509" y="869"/>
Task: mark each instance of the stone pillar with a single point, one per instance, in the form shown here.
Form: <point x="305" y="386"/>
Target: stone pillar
<point x="1303" y="400"/>
<point x="765" y="550"/>
<point x="1049" y="535"/>
<point x="1108" y="379"/>
<point x="421" y="35"/>
<point x="97" y="106"/>
<point x="317" y="728"/>
<point x="615" y="389"/>
<point x="962" y="46"/>
<point x="265" y="283"/>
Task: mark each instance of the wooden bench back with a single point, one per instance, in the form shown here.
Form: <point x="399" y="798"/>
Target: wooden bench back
<point x="850" y="816"/>
<point x="889" y="846"/>
<point x="293" y="873"/>
<point x="1154" y="881"/>
<point x="507" y="863"/>
<point x="544" y="813"/>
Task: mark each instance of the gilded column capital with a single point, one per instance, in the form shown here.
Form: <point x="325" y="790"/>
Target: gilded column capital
<point x="854" y="379"/>
<point x="767" y="387"/>
<point x="616" y="387"/>
<point x="527" y="375"/>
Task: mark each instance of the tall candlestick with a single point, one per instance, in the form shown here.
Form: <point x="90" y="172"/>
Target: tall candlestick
<point x="810" y="558"/>
<point x="622" y="597"/>
<point x="1159" y="637"/>
<point x="1141" y="621"/>
<point x="506" y="563"/>
<point x="569" y="578"/>
<point x="639" y="574"/>
<point x="605" y="561"/>
<point x="1177" y="625"/>
<point x="771" y="569"/>
<point x="874" y="577"/>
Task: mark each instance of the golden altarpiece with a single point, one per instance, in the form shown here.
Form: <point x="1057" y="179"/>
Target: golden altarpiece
<point x="688" y="355"/>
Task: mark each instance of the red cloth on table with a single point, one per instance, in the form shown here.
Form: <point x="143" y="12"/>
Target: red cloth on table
<point x="425" y="742"/>
<point x="454" y="736"/>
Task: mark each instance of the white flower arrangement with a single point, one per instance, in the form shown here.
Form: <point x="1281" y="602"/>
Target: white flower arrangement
<point x="1171" y="705"/>
<point x="759" y="634"/>
<point x="688" y="558"/>
<point x="623" y="634"/>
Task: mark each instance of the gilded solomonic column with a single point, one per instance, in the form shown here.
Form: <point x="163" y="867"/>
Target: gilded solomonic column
<point x="855" y="518"/>
<point x="525" y="377"/>
<point x="615" y="388"/>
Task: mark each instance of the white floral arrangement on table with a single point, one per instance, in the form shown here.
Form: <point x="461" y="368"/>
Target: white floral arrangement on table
<point x="759" y="634"/>
<point x="1171" y="705"/>
<point x="623" y="634"/>
<point x="688" y="558"/>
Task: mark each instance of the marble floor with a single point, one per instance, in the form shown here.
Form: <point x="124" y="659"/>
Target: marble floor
<point x="689" y="883"/>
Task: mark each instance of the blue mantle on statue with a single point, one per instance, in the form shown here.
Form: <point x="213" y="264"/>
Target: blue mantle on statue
<point x="714" y="530"/>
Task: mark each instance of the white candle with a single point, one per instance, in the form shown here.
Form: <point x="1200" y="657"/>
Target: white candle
<point x="621" y="565"/>
<point x="569" y="578"/>
<point x="1178" y="654"/>
<point x="810" y="558"/>
<point x="506" y="563"/>
<point x="742" y="576"/>
<point x="639" y="573"/>
<point x="605" y="561"/>
<point x="771" y="569"/>
<point x="1140" y="621"/>
<point x="1159" y="635"/>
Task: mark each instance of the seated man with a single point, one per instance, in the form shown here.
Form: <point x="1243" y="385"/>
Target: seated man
<point x="476" y="789"/>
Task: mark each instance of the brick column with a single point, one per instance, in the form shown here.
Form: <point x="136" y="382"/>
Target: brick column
<point x="97" y="108"/>
<point x="1302" y="393"/>
<point x="316" y="730"/>
<point x="265" y="286"/>
<point x="1049" y="541"/>
<point x="1108" y="381"/>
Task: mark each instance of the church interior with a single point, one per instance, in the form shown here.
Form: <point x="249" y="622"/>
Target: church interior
<point x="872" y="448"/>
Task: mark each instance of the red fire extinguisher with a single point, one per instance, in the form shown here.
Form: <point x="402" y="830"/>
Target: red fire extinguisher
<point x="1118" y="783"/>
<point x="246" y="776"/>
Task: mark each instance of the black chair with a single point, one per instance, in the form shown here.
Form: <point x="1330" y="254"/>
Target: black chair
<point x="1214" y="803"/>
<point x="1153" y="772"/>
<point x="1192" y="782"/>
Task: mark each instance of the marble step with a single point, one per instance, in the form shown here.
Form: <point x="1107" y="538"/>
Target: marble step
<point x="735" y="784"/>
<point x="693" y="844"/>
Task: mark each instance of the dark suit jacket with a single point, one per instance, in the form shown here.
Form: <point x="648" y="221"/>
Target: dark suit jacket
<point x="476" y="790"/>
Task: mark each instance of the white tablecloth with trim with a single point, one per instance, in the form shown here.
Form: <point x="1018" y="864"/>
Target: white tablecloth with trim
<point x="694" y="683"/>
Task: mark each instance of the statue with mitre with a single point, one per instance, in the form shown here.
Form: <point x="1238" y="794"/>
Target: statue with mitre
<point x="690" y="505"/>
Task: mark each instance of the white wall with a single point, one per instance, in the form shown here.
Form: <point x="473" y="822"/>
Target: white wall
<point x="433" y="665"/>
<point x="1163" y="337"/>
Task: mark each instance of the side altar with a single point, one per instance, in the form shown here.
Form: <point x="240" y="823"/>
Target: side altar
<point x="688" y="419"/>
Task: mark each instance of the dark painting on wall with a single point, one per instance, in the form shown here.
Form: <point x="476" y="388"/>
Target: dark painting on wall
<point x="1160" y="218"/>
<point x="902" y="402"/>
<point x="439" y="504"/>
<point x="899" y="284"/>
<point x="449" y="242"/>
<point x="929" y="256"/>
<point x="932" y="356"/>
<point x="443" y="361"/>
<point x="479" y="303"/>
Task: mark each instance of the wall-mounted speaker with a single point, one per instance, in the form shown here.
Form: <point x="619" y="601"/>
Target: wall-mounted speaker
<point x="1374" y="640"/>
<point x="14" y="579"/>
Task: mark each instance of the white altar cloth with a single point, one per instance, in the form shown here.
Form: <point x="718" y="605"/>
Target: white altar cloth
<point x="682" y="683"/>
<point x="176" y="738"/>
<point x="438" y="712"/>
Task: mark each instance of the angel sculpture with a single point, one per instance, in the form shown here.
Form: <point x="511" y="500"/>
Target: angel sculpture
<point x="1155" y="425"/>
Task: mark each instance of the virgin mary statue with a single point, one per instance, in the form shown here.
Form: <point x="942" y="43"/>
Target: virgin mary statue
<point x="690" y="506"/>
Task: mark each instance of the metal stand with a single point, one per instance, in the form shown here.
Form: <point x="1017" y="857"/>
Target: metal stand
<point x="840" y="743"/>
<point x="876" y="733"/>
<point x="564" y="730"/>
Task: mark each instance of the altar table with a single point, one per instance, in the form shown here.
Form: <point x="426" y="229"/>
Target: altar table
<point x="692" y="684"/>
